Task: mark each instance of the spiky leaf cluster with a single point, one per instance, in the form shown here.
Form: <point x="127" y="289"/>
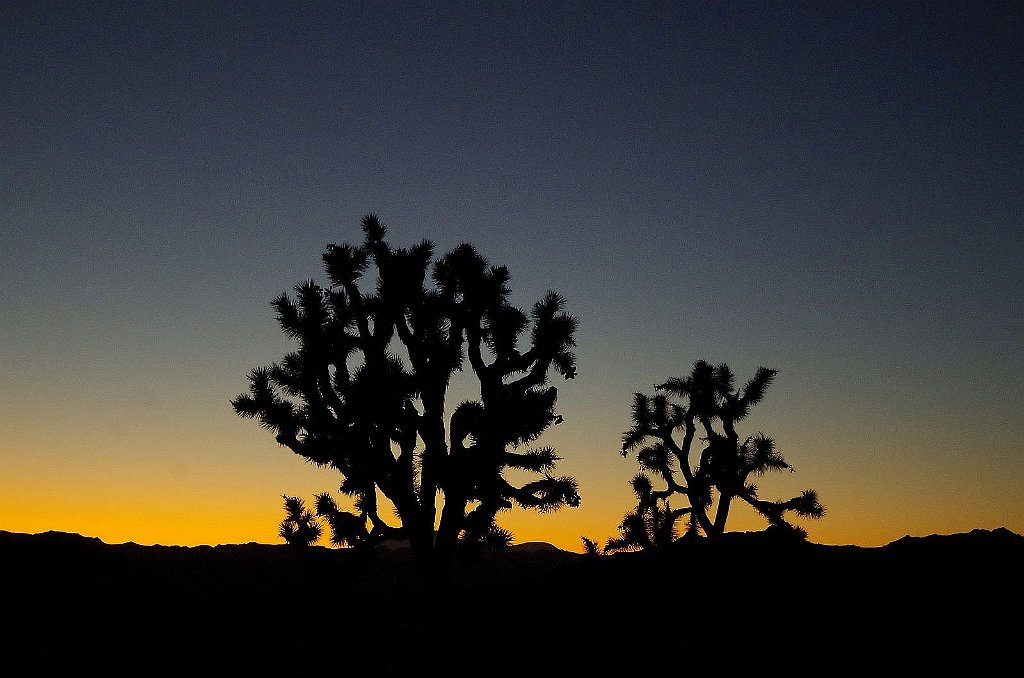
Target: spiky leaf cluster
<point x="299" y="528"/>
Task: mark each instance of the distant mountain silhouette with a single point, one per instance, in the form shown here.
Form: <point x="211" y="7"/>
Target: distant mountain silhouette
<point x="528" y="546"/>
<point x="935" y="605"/>
<point x="534" y="547"/>
<point x="997" y="538"/>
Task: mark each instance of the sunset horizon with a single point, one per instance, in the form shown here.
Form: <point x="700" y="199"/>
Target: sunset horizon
<point x="830" y="191"/>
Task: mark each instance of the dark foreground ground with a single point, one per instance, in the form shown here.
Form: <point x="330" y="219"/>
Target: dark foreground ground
<point x="935" y="606"/>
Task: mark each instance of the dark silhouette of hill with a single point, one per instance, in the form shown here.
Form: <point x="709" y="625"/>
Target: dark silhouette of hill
<point x="939" y="605"/>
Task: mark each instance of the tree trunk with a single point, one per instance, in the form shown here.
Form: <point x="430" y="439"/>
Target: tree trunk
<point x="722" y="515"/>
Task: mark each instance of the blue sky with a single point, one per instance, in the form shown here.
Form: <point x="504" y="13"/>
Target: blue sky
<point x="833" y="190"/>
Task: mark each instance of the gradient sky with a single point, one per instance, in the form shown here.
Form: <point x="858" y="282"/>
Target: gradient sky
<point x="834" y="190"/>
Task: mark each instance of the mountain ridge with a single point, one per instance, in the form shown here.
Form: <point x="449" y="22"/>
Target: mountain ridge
<point x="936" y="604"/>
<point x="1002" y="533"/>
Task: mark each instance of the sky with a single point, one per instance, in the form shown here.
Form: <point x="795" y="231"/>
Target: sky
<point x="832" y="190"/>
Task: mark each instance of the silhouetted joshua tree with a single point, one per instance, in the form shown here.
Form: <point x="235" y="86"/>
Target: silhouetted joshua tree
<point x="365" y="393"/>
<point x="651" y="525"/>
<point x="663" y="435"/>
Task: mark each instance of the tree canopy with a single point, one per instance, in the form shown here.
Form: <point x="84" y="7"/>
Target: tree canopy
<point x="365" y="393"/>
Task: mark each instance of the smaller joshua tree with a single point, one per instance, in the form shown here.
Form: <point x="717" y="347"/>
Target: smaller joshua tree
<point x="663" y="435"/>
<point x="651" y="525"/>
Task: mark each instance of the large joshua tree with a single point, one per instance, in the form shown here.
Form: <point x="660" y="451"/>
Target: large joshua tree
<point x="710" y="477"/>
<point x="365" y="394"/>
